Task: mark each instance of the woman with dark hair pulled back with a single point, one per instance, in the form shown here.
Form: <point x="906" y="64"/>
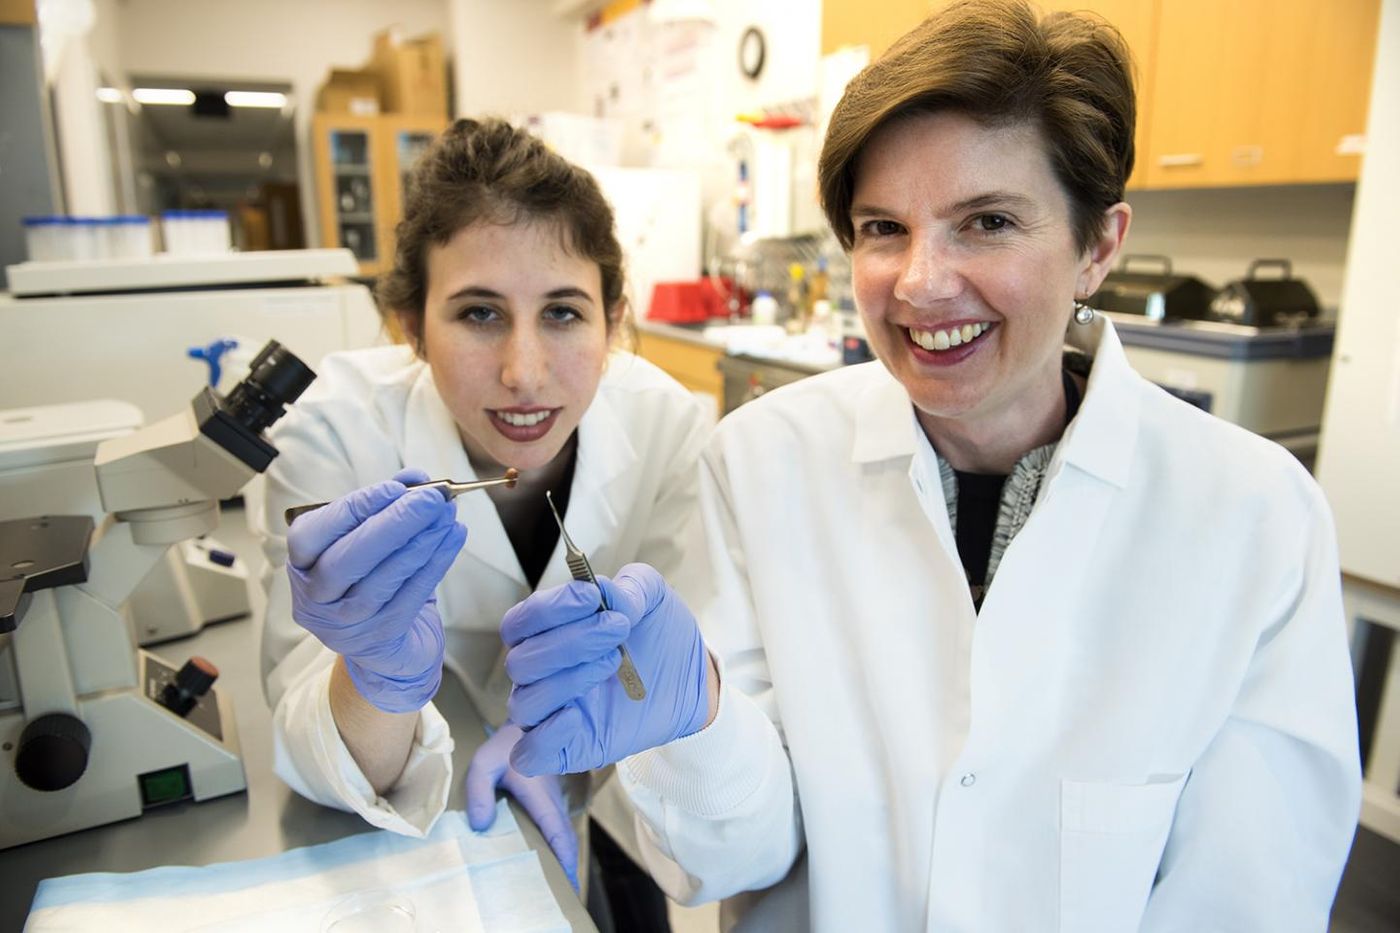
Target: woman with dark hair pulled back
<point x="508" y="283"/>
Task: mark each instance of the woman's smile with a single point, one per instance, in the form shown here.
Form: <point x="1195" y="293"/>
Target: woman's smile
<point x="525" y="424"/>
<point x="949" y="344"/>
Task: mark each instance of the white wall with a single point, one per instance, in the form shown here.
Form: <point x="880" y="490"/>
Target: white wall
<point x="1359" y="456"/>
<point x="513" y="57"/>
<point x="677" y="88"/>
<point x="296" y="41"/>
<point x="72" y="37"/>
<point x="1215" y="233"/>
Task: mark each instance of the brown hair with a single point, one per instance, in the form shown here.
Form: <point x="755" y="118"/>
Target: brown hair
<point x="998" y="63"/>
<point x="488" y="171"/>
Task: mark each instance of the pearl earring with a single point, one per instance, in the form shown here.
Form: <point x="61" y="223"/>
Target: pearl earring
<point x="1083" y="314"/>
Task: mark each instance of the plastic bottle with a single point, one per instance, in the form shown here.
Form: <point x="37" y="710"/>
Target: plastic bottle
<point x="136" y="237"/>
<point x="41" y="236"/>
<point x="797" y="298"/>
<point x="817" y="284"/>
<point x="821" y="322"/>
<point x="764" y="308"/>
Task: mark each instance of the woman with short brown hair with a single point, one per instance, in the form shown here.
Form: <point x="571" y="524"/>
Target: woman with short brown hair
<point x="993" y="634"/>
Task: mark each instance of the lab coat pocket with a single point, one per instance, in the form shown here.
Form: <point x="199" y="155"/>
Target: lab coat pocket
<point x="1111" y="840"/>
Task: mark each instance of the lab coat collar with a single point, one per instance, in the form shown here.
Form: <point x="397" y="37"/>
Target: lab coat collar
<point x="1101" y="439"/>
<point x="885" y="428"/>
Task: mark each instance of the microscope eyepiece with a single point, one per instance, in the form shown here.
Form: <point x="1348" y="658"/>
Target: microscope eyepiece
<point x="275" y="379"/>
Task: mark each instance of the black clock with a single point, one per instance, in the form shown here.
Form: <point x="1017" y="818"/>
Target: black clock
<point x="753" y="48"/>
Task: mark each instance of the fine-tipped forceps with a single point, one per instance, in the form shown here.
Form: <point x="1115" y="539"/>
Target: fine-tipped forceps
<point x="450" y="490"/>
<point x="581" y="570"/>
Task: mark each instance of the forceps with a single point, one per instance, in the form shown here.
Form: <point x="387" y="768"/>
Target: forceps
<point x="581" y="570"/>
<point x="449" y="489"/>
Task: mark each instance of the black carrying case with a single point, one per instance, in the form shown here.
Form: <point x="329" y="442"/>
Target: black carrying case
<point x="1157" y="296"/>
<point x="1282" y="302"/>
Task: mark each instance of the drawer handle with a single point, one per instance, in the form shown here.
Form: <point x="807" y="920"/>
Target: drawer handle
<point x="1181" y="160"/>
<point x="1247" y="156"/>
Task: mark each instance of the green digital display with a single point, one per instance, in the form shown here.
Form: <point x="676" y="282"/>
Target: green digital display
<point x="165" y="786"/>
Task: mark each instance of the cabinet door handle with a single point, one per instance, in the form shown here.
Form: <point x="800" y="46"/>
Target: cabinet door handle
<point x="1247" y="156"/>
<point x="1180" y="160"/>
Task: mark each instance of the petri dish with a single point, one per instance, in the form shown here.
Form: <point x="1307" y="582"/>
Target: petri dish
<point x="374" y="911"/>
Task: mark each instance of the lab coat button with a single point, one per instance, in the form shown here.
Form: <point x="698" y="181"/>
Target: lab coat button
<point x="968" y="780"/>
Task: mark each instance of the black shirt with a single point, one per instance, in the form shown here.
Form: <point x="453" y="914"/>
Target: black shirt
<point x="979" y="502"/>
<point x="534" y="541"/>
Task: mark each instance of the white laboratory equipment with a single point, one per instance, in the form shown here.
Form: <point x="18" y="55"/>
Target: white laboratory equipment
<point x="64" y="238"/>
<point x="195" y="233"/>
<point x="93" y="729"/>
<point x="1270" y="380"/>
<point x="122" y="328"/>
<point x="46" y="468"/>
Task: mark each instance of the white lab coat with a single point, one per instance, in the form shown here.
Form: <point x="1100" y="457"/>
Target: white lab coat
<point x="371" y="412"/>
<point x="1150" y="724"/>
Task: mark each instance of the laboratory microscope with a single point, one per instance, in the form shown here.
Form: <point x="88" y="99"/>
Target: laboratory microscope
<point x="92" y="728"/>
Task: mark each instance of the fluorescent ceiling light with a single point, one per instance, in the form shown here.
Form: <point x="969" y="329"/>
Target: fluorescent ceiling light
<point x="109" y="95"/>
<point x="269" y="99"/>
<point x="163" y="95"/>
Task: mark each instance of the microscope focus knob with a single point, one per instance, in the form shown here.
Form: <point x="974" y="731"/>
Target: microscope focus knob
<point x="53" y="751"/>
<point x="191" y="682"/>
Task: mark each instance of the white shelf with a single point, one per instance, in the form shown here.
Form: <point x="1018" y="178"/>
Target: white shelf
<point x="175" y="272"/>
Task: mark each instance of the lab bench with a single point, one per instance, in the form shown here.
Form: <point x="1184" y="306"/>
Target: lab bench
<point x="684" y="354"/>
<point x="699" y="359"/>
<point x="269" y="817"/>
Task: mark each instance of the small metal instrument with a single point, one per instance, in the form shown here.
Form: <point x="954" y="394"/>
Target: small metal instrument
<point x="579" y="567"/>
<point x="450" y="490"/>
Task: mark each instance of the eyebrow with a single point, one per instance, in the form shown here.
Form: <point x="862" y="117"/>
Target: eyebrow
<point x="987" y="199"/>
<point x="474" y="291"/>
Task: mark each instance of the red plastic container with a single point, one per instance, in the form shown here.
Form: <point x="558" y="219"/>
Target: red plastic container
<point x="678" y="303"/>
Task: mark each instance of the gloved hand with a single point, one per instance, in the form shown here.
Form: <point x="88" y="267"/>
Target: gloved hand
<point x="542" y="797"/>
<point x="563" y="657"/>
<point x="363" y="569"/>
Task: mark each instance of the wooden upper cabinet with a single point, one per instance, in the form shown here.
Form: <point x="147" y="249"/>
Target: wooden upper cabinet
<point x="872" y="23"/>
<point x="1255" y="92"/>
<point x="1241" y="92"/>
<point x="1339" y="68"/>
<point x="349" y="192"/>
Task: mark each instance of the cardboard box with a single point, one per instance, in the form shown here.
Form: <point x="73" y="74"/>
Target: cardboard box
<point x="412" y="73"/>
<point x="349" y="91"/>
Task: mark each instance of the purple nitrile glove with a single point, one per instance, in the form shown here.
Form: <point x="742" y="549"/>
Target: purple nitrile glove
<point x="542" y="797"/>
<point x="363" y="569"/>
<point x="564" y="655"/>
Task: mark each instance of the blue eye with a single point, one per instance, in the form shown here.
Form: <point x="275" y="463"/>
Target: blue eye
<point x="478" y="314"/>
<point x="562" y="314"/>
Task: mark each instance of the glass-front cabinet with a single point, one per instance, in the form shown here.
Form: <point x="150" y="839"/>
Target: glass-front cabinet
<point x="363" y="164"/>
